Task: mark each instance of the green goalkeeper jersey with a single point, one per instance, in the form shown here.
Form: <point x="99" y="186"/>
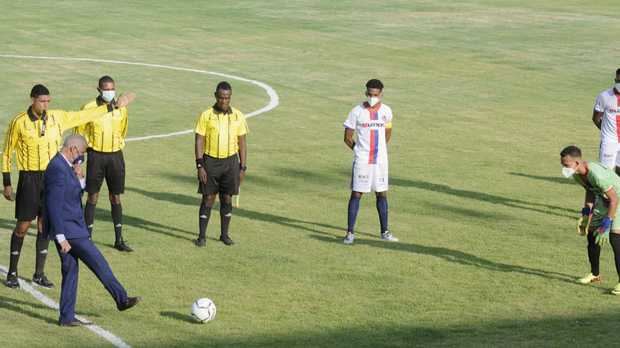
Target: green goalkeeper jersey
<point x="599" y="180"/>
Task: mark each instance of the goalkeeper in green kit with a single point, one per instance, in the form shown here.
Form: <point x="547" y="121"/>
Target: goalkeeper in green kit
<point x="599" y="213"/>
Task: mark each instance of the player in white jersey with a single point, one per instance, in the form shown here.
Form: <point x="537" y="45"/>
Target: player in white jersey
<point x="371" y="124"/>
<point x="606" y="116"/>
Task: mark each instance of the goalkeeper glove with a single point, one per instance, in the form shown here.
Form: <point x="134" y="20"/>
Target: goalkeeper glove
<point x="583" y="224"/>
<point x="603" y="231"/>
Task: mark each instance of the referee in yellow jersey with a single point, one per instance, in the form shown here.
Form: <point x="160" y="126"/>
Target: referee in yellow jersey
<point x="221" y="153"/>
<point x="35" y="136"/>
<point x="106" y="140"/>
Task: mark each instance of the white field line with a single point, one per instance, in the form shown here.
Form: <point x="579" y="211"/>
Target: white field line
<point x="107" y="335"/>
<point x="274" y="100"/>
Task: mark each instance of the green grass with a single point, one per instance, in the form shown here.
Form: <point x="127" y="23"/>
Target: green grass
<point x="485" y="94"/>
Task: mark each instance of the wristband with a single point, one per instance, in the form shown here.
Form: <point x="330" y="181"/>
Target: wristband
<point x="6" y="179"/>
<point x="243" y="168"/>
<point x="585" y="211"/>
<point x="606" y="223"/>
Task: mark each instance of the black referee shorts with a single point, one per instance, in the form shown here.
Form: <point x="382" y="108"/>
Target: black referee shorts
<point x="222" y="176"/>
<point x="29" y="196"/>
<point x="105" y="165"/>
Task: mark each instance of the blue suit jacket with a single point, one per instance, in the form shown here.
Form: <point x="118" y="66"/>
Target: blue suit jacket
<point x="62" y="210"/>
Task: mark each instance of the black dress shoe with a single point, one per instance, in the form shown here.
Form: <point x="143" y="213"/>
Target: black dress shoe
<point x="11" y="281"/>
<point x="226" y="240"/>
<point x="131" y="301"/>
<point x="74" y="322"/>
<point x="200" y="242"/>
<point x="42" y="280"/>
<point x="121" y="246"/>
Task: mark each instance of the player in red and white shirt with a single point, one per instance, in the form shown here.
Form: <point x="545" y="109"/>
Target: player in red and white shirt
<point x="606" y="116"/>
<point x="371" y="124"/>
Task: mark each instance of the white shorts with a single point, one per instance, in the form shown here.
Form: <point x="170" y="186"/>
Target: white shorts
<point x="369" y="177"/>
<point x="608" y="154"/>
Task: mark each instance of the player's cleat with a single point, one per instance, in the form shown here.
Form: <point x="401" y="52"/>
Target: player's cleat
<point x="131" y="301"/>
<point x="616" y="290"/>
<point x="121" y="246"/>
<point x="590" y="278"/>
<point x="349" y="238"/>
<point x="226" y="240"/>
<point x="11" y="281"/>
<point x="200" y="242"/>
<point x="42" y="280"/>
<point x="387" y="236"/>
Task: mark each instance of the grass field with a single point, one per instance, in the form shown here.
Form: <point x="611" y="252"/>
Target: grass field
<point x="485" y="94"/>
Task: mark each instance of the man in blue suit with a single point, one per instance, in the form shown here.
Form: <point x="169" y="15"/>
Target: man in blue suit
<point x="64" y="222"/>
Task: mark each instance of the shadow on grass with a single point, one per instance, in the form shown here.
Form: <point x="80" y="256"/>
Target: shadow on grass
<point x="304" y="225"/>
<point x="558" y="331"/>
<point x="483" y="197"/>
<point x="552" y="179"/>
<point x="102" y="217"/>
<point x="178" y="316"/>
<point x="456" y="256"/>
<point x="17" y="307"/>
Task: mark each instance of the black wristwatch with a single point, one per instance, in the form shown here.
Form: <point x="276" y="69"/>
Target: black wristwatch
<point x="243" y="168"/>
<point x="199" y="163"/>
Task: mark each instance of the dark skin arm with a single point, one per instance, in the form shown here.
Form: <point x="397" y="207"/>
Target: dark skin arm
<point x="243" y="153"/>
<point x="348" y="138"/>
<point x="199" y="150"/>
<point x="388" y="135"/>
<point x="613" y="203"/>
<point x="597" y="118"/>
<point x="589" y="200"/>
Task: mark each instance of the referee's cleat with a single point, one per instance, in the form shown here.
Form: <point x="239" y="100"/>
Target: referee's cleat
<point x="131" y="301"/>
<point x="590" y="278"/>
<point x="121" y="246"/>
<point x="11" y="281"/>
<point x="226" y="240"/>
<point x="349" y="238"/>
<point x="41" y="280"/>
<point x="387" y="236"/>
<point x="200" y="242"/>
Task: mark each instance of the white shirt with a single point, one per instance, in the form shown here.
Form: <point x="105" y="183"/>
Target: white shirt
<point x="607" y="102"/>
<point x="369" y="126"/>
<point x="61" y="237"/>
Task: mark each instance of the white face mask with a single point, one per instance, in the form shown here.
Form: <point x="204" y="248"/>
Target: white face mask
<point x="568" y="172"/>
<point x="372" y="101"/>
<point x="107" y="96"/>
<point x="617" y="86"/>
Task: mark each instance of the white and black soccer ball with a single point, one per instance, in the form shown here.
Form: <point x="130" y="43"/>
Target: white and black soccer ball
<point x="203" y="310"/>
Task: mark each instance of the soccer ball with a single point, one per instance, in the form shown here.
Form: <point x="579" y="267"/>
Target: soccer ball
<point x="203" y="309"/>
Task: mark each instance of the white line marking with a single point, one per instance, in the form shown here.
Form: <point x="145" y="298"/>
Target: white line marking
<point x="107" y="335"/>
<point x="274" y="99"/>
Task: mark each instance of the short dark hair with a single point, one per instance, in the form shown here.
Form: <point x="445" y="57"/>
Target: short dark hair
<point x="223" y="86"/>
<point x="617" y="71"/>
<point x="105" y="79"/>
<point x="572" y="151"/>
<point x="374" y="83"/>
<point x="38" y="90"/>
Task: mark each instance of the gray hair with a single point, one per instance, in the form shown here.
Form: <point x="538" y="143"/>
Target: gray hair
<point x="74" y="140"/>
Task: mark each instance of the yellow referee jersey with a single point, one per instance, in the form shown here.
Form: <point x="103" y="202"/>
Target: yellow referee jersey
<point x="105" y="134"/>
<point x="221" y="131"/>
<point x="36" y="140"/>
